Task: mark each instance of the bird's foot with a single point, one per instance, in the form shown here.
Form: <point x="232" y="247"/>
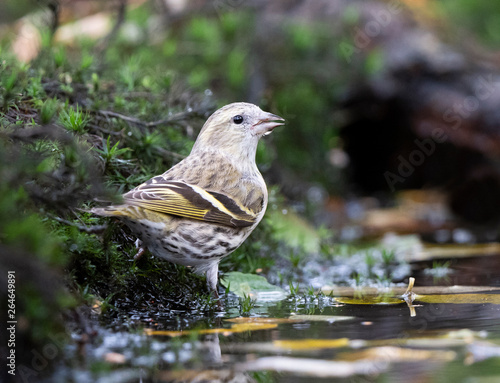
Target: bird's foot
<point x="220" y="306"/>
<point x="216" y="297"/>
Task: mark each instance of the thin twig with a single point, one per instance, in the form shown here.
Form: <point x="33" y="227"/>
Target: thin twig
<point x="50" y="131"/>
<point x="409" y="297"/>
<point x="168" y="120"/>
<point x="409" y="290"/>
<point x="87" y="229"/>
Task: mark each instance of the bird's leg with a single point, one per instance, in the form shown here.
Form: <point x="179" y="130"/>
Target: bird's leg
<point x="212" y="276"/>
<point x="140" y="249"/>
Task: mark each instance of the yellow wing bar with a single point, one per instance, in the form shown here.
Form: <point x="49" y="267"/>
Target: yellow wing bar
<point x="190" y="201"/>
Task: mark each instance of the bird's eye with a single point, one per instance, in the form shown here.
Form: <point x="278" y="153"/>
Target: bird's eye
<point x="238" y="119"/>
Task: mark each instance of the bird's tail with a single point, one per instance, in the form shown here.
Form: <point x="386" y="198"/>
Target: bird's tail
<point x="110" y="211"/>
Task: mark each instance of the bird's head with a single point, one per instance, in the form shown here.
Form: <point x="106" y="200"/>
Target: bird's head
<point x="236" y="129"/>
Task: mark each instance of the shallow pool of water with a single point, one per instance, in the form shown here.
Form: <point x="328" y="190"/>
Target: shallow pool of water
<point x="357" y="335"/>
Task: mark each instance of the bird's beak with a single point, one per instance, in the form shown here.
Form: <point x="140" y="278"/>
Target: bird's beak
<point x="266" y="123"/>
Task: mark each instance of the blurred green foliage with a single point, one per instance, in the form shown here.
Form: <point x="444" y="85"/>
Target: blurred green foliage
<point x="473" y="20"/>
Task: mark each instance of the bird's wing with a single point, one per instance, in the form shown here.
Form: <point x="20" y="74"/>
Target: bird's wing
<point x="184" y="200"/>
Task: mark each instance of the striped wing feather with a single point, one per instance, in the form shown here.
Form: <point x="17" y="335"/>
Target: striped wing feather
<point x="190" y="201"/>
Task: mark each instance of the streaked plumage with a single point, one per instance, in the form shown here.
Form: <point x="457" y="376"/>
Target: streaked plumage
<point x="204" y="207"/>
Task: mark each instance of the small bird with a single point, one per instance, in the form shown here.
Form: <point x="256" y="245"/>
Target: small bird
<point x="204" y="207"/>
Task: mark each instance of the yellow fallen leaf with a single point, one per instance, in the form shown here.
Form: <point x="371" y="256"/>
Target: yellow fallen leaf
<point x="370" y="300"/>
<point x="433" y="298"/>
<point x="291" y="319"/>
<point x="236" y="328"/>
<point x="243" y="327"/>
<point x="310" y="344"/>
<point x="437" y="295"/>
<point x="319" y="318"/>
<point x="260" y="320"/>
<point x="395" y="354"/>
<point x="396" y="291"/>
<point x="460" y="298"/>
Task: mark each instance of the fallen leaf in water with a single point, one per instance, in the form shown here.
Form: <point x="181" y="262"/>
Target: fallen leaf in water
<point x="320" y="318"/>
<point x="437" y="298"/>
<point x="459" y="298"/>
<point x="292" y="319"/>
<point x="359" y="297"/>
<point x="370" y="300"/>
<point x="259" y="320"/>
<point x="310" y="344"/>
<point x="456" y="338"/>
<point x="398" y="354"/>
<point x="243" y="324"/>
<point x="410" y="296"/>
<point x="235" y="328"/>
<point x="428" y="290"/>
<point x="400" y="290"/>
